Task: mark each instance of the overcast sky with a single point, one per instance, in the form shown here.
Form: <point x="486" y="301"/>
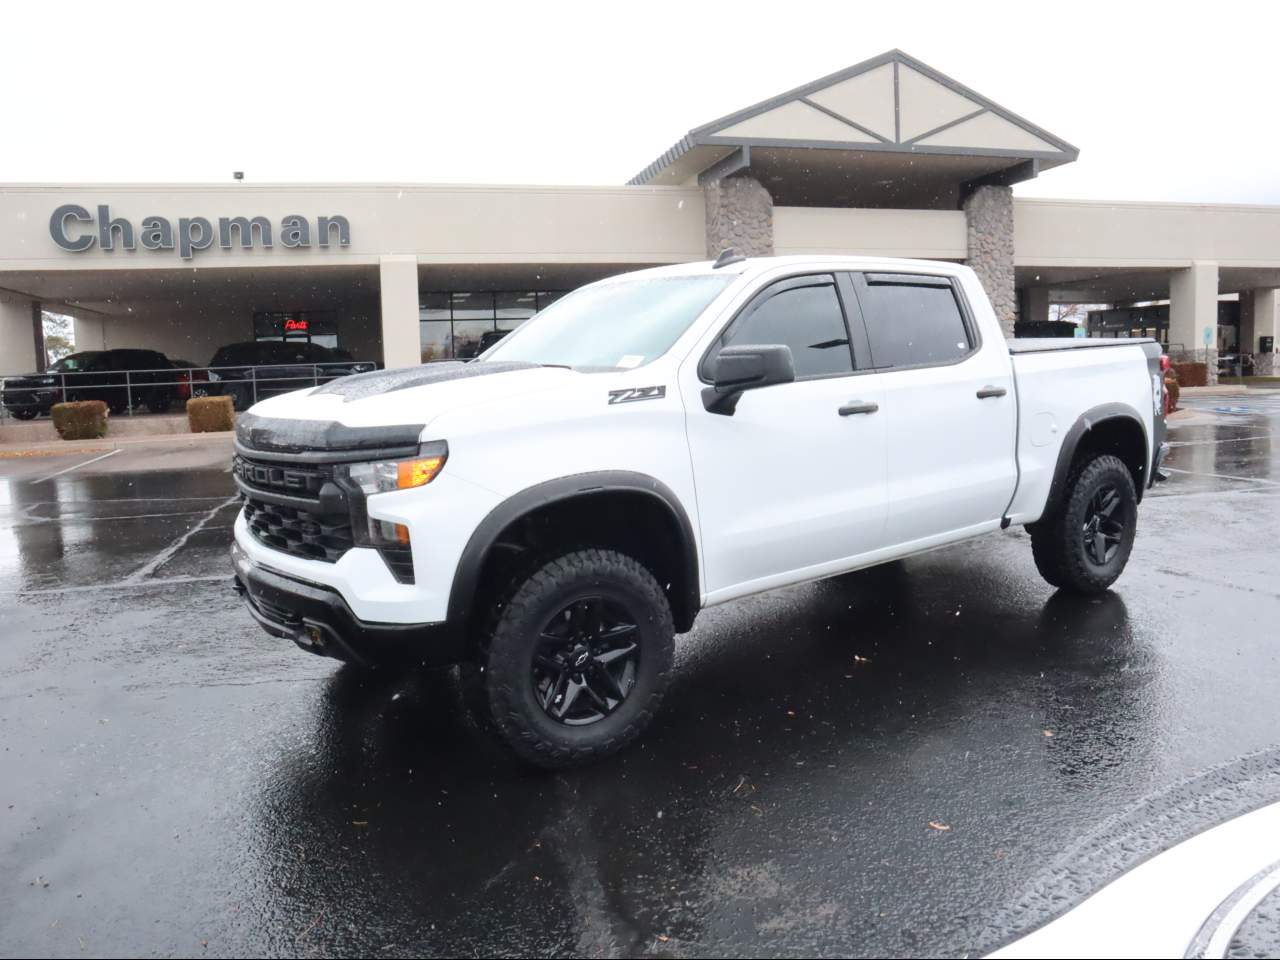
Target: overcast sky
<point x="1165" y="101"/>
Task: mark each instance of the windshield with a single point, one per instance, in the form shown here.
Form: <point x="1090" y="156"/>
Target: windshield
<point x="627" y="323"/>
<point x="77" y="361"/>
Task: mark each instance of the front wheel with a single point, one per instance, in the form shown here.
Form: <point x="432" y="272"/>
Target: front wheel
<point x="1084" y="545"/>
<point x="578" y="658"/>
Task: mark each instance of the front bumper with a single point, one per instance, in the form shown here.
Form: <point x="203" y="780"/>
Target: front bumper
<point x="24" y="400"/>
<point x="318" y="620"/>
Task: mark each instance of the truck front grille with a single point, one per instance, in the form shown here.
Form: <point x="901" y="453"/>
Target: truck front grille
<point x="283" y="509"/>
<point x="298" y="532"/>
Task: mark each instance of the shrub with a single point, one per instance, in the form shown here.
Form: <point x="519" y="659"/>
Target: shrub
<point x="1172" y="389"/>
<point x="1190" y="374"/>
<point x="211" y="414"/>
<point x="80" y="419"/>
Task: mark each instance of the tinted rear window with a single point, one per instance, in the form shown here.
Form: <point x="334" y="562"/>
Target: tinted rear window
<point x="911" y="323"/>
<point x="267" y="351"/>
<point x="138" y="360"/>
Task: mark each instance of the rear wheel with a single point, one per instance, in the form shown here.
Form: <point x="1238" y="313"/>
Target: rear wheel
<point x="26" y="413"/>
<point x="1084" y="546"/>
<point x="159" y="402"/>
<point x="578" y="659"/>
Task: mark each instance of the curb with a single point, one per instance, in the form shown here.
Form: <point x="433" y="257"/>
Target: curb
<point x="57" y="447"/>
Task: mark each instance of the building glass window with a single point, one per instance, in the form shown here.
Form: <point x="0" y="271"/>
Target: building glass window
<point x="514" y="309"/>
<point x="461" y="324"/>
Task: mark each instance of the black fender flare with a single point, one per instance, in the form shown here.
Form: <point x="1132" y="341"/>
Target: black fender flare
<point x="1071" y="442"/>
<point x="466" y="579"/>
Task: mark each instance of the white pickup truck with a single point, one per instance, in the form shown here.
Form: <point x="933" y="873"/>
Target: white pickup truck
<point x="552" y="513"/>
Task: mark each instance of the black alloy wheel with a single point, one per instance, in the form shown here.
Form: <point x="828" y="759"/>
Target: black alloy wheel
<point x="586" y="662"/>
<point x="1083" y="543"/>
<point x="1103" y="529"/>
<point x="576" y="658"/>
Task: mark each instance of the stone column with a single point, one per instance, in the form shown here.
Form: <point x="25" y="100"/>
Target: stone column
<point x="398" y="276"/>
<point x="19" y="319"/>
<point x="1260" y="317"/>
<point x="1193" y="311"/>
<point x="988" y="211"/>
<point x="739" y="215"/>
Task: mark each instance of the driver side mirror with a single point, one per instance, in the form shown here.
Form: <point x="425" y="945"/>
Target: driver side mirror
<point x="746" y="367"/>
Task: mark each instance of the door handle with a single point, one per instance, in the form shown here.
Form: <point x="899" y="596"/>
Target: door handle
<point x="990" y="391"/>
<point x="857" y="406"/>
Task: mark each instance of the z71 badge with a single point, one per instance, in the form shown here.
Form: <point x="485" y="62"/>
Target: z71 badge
<point x="632" y="394"/>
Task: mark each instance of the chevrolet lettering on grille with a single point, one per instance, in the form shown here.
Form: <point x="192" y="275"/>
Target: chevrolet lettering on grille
<point x="285" y="480"/>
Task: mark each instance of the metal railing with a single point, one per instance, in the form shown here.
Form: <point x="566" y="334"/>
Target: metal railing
<point x="126" y="390"/>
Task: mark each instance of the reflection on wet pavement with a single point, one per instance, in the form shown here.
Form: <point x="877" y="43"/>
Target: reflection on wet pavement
<point x="884" y="763"/>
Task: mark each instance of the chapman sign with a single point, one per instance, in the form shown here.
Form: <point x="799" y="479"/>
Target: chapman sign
<point x="76" y="230"/>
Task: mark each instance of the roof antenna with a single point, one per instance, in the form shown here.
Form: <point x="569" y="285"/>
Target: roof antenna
<point x="727" y="256"/>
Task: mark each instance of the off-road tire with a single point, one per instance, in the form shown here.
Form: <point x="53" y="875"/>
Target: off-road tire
<point x="508" y="645"/>
<point x="1057" y="541"/>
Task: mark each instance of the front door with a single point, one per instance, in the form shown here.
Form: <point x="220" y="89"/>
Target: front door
<point x="791" y="486"/>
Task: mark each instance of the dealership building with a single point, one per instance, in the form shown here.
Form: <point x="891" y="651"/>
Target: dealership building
<point x="886" y="158"/>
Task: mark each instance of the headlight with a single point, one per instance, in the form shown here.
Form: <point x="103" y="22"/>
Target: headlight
<point x="48" y="381"/>
<point x="385" y="476"/>
<point x="364" y="480"/>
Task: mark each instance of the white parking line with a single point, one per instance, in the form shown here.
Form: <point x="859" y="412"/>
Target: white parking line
<point x="1201" y="443"/>
<point x="76" y="466"/>
<point x="117" y="585"/>
<point x="167" y="553"/>
<point x="1222" y="476"/>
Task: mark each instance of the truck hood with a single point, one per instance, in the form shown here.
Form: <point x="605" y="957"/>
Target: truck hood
<point x="414" y="395"/>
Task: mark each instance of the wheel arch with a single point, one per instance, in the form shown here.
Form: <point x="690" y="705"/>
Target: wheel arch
<point x="602" y="494"/>
<point x="1114" y="428"/>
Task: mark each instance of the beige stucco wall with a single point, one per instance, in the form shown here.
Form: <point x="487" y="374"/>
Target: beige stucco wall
<point x="1095" y="233"/>
<point x="17" y="335"/>
<point x="932" y="234"/>
<point x="193" y="341"/>
<point x="438" y="224"/>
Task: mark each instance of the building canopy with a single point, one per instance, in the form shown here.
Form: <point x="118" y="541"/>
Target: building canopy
<point x="890" y="131"/>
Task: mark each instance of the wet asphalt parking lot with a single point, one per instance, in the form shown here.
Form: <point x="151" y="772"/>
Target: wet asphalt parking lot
<point x="929" y="759"/>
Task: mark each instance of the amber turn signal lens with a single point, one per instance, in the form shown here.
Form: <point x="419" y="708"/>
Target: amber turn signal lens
<point x="416" y="473"/>
<point x="402" y="535"/>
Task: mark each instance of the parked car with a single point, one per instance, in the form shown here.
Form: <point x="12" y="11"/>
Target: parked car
<point x="255" y="369"/>
<point x="1235" y="364"/>
<point x="193" y="380"/>
<point x="472" y="349"/>
<point x="533" y="515"/>
<point x="119" y="377"/>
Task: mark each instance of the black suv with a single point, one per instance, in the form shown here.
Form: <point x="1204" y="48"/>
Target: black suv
<point x="117" y="377"/>
<point x="247" y="372"/>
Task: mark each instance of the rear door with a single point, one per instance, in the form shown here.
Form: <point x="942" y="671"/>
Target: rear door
<point x="949" y="407"/>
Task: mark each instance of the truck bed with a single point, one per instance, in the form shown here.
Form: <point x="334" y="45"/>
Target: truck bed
<point x="1046" y="344"/>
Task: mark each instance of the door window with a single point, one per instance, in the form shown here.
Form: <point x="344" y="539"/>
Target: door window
<point x="805" y="314"/>
<point x="913" y="320"/>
